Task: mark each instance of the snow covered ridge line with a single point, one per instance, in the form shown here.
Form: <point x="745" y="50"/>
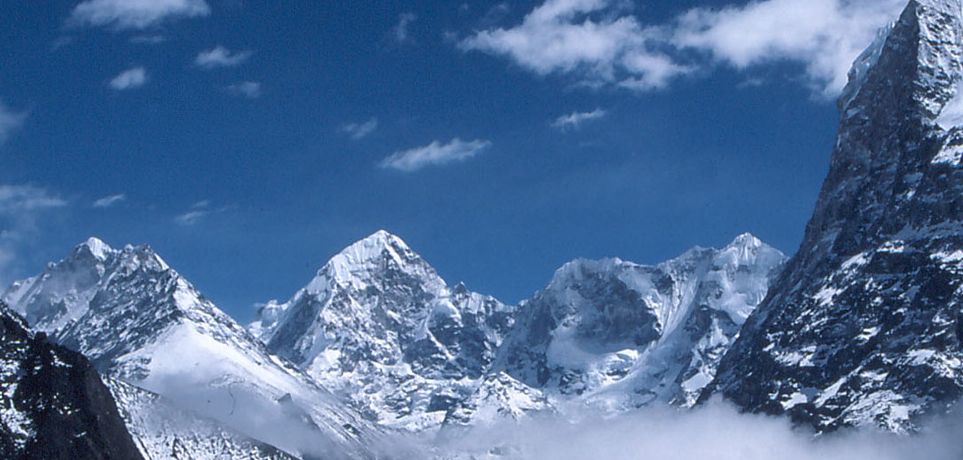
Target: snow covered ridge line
<point x="379" y="324"/>
<point x="141" y="323"/>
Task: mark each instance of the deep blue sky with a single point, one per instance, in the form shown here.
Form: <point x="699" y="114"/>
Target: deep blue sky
<point x="696" y="163"/>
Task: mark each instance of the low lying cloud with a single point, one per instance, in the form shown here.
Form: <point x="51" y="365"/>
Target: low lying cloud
<point x="603" y="42"/>
<point x="248" y="89"/>
<point x="716" y="432"/>
<point x="220" y="56"/>
<point x="358" y="131"/>
<point x="135" y="14"/>
<point x="109" y="201"/>
<point x="129" y="79"/>
<point x="434" y="154"/>
<point x="575" y="120"/>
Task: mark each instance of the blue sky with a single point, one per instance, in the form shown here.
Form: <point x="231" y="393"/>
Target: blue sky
<point x="250" y="141"/>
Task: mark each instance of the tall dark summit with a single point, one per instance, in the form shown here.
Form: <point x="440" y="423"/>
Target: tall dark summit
<point x="864" y="326"/>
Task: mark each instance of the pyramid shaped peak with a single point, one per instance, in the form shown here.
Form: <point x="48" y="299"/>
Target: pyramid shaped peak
<point x="373" y="247"/>
<point x="917" y="61"/>
<point x="746" y="240"/>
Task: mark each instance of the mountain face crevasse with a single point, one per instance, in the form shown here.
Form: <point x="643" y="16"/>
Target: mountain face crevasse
<point x="864" y="326"/>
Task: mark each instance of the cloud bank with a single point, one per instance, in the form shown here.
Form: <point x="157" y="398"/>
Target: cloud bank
<point x="716" y="432"/>
<point x="603" y="42"/>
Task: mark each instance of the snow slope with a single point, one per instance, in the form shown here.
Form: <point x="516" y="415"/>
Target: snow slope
<point x="140" y="322"/>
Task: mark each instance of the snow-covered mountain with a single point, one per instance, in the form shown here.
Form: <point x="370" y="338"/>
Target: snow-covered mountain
<point x="617" y="335"/>
<point x="864" y="326"/>
<point x="163" y="431"/>
<point x="140" y="322"/>
<point x="53" y="404"/>
<point x="379" y="325"/>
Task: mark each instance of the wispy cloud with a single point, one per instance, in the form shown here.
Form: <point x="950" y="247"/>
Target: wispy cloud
<point x="148" y="39"/>
<point x="198" y="212"/>
<point x="400" y="31"/>
<point x="220" y="56"/>
<point x="248" y="89"/>
<point x="603" y="42"/>
<point x="20" y="208"/>
<point x="358" y="131"/>
<point x="109" y="201"/>
<point x="195" y="214"/>
<point x="135" y="14"/>
<point x="575" y="120"/>
<point x="434" y="154"/>
<point x="10" y="121"/>
<point x="129" y="79"/>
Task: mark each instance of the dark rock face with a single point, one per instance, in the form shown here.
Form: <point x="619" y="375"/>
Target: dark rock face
<point x="53" y="404"/>
<point x="864" y="325"/>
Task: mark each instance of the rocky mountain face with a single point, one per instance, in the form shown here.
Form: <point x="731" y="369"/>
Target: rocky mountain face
<point x="140" y="322"/>
<point x="54" y="404"/>
<point x="380" y="326"/>
<point x="617" y="335"/>
<point x="864" y="326"/>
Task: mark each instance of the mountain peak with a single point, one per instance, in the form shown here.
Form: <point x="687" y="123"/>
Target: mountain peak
<point x="746" y="240"/>
<point x="95" y="247"/>
<point x="916" y="61"/>
<point x="368" y="257"/>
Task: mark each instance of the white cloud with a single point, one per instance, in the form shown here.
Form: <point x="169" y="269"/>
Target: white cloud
<point x="135" y="14"/>
<point x="198" y="212"/>
<point x="25" y="198"/>
<point x="825" y="36"/>
<point x="602" y="42"/>
<point x="358" y="131"/>
<point x="192" y="217"/>
<point x="109" y="201"/>
<point x="575" y="119"/>
<point x="10" y="121"/>
<point x="220" y="56"/>
<point x="434" y="154"/>
<point x="129" y="79"/>
<point x="248" y="89"/>
<point x="400" y="31"/>
<point x="586" y="39"/>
